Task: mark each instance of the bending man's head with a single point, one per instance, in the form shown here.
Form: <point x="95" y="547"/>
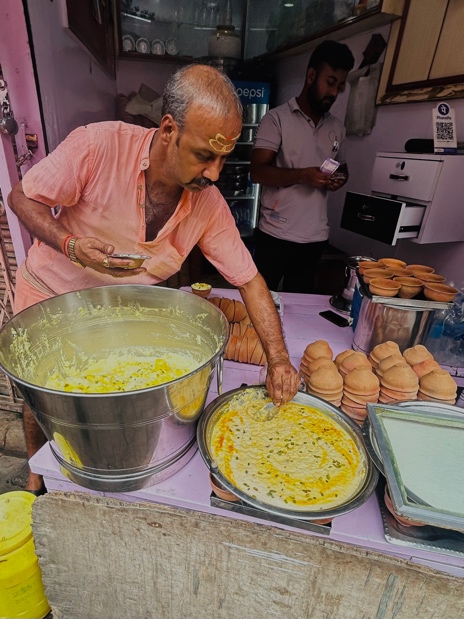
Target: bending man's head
<point x="201" y="124"/>
<point x="201" y="86"/>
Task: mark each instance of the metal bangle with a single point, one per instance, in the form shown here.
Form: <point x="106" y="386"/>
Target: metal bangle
<point x="72" y="253"/>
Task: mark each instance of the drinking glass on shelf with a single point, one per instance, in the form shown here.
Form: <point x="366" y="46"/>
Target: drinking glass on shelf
<point x="210" y="13"/>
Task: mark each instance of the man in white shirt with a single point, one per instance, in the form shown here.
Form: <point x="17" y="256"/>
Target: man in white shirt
<point x="292" y="142"/>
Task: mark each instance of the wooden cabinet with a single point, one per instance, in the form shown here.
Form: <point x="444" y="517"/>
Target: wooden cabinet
<point x="425" y="54"/>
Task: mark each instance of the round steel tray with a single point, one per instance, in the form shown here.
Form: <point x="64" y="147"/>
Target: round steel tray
<point x="211" y="416"/>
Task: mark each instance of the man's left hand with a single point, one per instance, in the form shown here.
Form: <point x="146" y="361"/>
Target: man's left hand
<point x="282" y="380"/>
<point x="334" y="183"/>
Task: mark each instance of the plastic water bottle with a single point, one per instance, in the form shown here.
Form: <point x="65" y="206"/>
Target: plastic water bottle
<point x="451" y="349"/>
<point x="355" y="305"/>
<point x="435" y="337"/>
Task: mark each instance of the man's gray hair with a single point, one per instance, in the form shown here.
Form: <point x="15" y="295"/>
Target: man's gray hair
<point x="203" y="86"/>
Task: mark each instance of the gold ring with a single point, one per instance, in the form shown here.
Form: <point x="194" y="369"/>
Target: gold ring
<point x="105" y="262"/>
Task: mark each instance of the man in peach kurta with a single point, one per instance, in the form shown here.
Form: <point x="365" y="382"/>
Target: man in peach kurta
<point x="126" y="189"/>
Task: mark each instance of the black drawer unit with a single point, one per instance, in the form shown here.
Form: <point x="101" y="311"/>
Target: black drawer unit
<point x="383" y="219"/>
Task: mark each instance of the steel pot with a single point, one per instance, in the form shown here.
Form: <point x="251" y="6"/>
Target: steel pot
<point x="121" y="441"/>
<point x="351" y="277"/>
<point x="213" y="413"/>
<point x="406" y="325"/>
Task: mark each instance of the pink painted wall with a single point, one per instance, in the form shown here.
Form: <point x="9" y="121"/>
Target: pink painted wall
<point x="73" y="88"/>
<point x="15" y="59"/>
<point x="395" y="124"/>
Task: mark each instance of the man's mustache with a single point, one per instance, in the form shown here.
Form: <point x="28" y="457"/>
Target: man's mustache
<point x="201" y="182"/>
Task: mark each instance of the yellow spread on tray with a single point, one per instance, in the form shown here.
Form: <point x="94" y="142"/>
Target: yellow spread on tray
<point x="121" y="371"/>
<point x="301" y="459"/>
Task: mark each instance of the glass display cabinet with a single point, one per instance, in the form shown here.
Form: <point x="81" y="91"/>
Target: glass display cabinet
<point x="175" y="29"/>
<point x="276" y="25"/>
<point x="180" y="30"/>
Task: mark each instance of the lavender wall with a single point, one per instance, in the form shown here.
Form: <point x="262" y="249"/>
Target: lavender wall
<point x="395" y="124"/>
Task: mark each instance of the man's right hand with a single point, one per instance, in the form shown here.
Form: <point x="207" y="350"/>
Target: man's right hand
<point x="314" y="178"/>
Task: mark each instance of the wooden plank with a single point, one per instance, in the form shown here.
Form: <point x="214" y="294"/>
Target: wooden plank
<point x="104" y="558"/>
<point x="393" y="7"/>
<point x="418" y="44"/>
<point x="449" y="57"/>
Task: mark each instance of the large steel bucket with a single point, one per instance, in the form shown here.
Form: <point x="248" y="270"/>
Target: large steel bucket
<point x="122" y="441"/>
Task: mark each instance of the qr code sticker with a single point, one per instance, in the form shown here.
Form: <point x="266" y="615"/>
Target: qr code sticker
<point x="445" y="131"/>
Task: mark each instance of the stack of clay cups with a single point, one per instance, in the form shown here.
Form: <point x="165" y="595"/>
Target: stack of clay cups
<point x="385" y="349"/>
<point x="398" y="383"/>
<point x="326" y="383"/>
<point x="353" y="361"/>
<point x="360" y="386"/>
<point x="341" y="356"/>
<point x="319" y="349"/>
<point x="388" y="362"/>
<point x="308" y="367"/>
<point x="416" y="354"/>
<point x="420" y="359"/>
<point x="424" y="367"/>
<point x="437" y="386"/>
<point x="320" y="373"/>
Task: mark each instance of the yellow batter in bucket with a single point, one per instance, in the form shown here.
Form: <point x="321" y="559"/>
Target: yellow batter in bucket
<point x="121" y="370"/>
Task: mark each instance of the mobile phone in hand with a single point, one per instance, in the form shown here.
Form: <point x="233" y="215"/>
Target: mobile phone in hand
<point x="338" y="176"/>
<point x="334" y="318"/>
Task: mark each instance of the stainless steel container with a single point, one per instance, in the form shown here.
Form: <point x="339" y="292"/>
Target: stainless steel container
<point x="250" y="116"/>
<point x="351" y="277"/>
<point x="344" y="301"/>
<point x="123" y="441"/>
<point x="407" y="325"/>
<point x="213" y="413"/>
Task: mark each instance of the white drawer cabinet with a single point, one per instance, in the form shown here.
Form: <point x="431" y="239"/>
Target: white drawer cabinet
<point x="414" y="179"/>
<point x="429" y="189"/>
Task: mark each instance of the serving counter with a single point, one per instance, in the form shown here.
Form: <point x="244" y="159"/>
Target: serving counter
<point x="167" y="551"/>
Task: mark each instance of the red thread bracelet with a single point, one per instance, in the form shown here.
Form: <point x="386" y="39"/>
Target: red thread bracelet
<point x="64" y="246"/>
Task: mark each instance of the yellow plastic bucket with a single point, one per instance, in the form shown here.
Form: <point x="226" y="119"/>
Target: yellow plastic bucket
<point x="21" y="588"/>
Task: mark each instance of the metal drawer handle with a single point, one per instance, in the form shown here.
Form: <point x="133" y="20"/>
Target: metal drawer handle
<point x="399" y="177"/>
<point x="366" y="217"/>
